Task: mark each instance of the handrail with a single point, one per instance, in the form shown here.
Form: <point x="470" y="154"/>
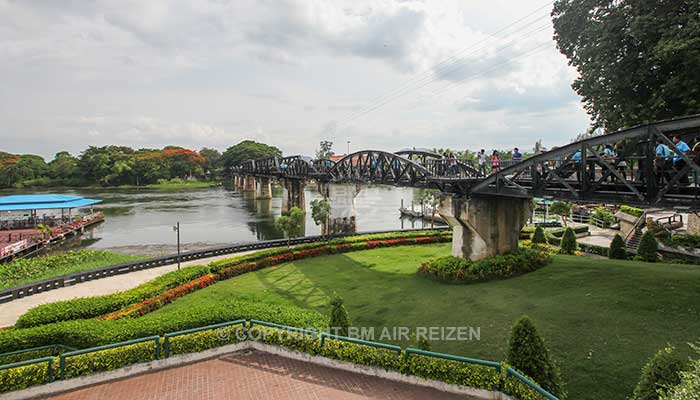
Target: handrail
<point x="529" y="383"/>
<point x="311" y="332"/>
<point x="385" y="346"/>
<point x="47" y="360"/>
<point x="637" y="224"/>
<point x="48" y="346"/>
<point x="451" y="357"/>
<point x="62" y="357"/>
<point x="252" y="322"/>
<point x="118" y="269"/>
<point x="167" y="336"/>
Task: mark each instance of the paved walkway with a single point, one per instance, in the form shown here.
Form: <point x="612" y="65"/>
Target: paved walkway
<point x="255" y="375"/>
<point x="9" y="312"/>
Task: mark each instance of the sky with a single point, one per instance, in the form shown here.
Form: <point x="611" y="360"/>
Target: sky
<point x="383" y="75"/>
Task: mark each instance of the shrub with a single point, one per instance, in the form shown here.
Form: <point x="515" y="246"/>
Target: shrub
<point x="568" y="242"/>
<point x="528" y="354"/>
<point x="692" y="241"/>
<point x="23" y="377"/>
<point x="91" y="307"/>
<point x="660" y="372"/>
<point x="340" y="322"/>
<point x="107" y="360"/>
<point x="617" y="248"/>
<point x="538" y="235"/>
<point x="689" y="386"/>
<point x="648" y="247"/>
<point x="205" y="340"/>
<point x="603" y="215"/>
<point x="561" y="208"/>
<point x="633" y="211"/>
<point x="458" y="270"/>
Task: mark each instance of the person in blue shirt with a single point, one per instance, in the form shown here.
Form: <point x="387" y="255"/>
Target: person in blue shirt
<point x="662" y="163"/>
<point x="678" y="163"/>
<point x="662" y="151"/>
<point x="517" y="156"/>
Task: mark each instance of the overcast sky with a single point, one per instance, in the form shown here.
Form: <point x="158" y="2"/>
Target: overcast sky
<point x="285" y="72"/>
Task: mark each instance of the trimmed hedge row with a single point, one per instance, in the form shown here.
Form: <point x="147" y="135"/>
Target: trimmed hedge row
<point x="107" y="360"/>
<point x="633" y="211"/>
<point x="458" y="270"/>
<point x="23" y="377"/>
<point x="90" y="307"/>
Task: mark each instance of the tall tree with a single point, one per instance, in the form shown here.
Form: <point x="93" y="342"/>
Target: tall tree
<point x="637" y="59"/>
<point x="63" y="166"/>
<point x="212" y="161"/>
<point x="324" y="151"/>
<point x="248" y="150"/>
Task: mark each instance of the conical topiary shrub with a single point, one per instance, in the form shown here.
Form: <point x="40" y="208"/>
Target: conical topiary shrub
<point x="340" y="322"/>
<point x="568" y="242"/>
<point x="617" y="248"/>
<point x="660" y="372"/>
<point x="538" y="235"/>
<point x="648" y="247"/>
<point x="528" y="354"/>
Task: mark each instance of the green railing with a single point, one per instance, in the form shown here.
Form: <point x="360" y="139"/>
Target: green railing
<point x="451" y="357"/>
<point x="47" y="360"/>
<point x="310" y="332"/>
<point x="167" y="336"/>
<point x="244" y="323"/>
<point x="47" y="347"/>
<point x="532" y="385"/>
<point x="360" y="341"/>
<point x="62" y="357"/>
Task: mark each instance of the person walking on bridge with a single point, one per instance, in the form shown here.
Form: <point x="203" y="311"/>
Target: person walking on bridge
<point x="481" y="160"/>
<point x="517" y="156"/>
<point x="661" y="162"/>
<point x="495" y="161"/>
<point x="678" y="162"/>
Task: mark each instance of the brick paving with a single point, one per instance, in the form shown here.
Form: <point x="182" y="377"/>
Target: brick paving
<point x="254" y="375"/>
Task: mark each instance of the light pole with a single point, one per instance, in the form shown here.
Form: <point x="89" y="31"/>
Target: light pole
<point x="348" y="147"/>
<point x="176" y="228"/>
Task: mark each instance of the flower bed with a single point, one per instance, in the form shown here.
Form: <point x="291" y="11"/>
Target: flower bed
<point x="458" y="270"/>
<point x="155" y="302"/>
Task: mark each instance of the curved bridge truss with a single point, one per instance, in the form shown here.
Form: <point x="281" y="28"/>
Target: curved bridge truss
<point x="581" y="171"/>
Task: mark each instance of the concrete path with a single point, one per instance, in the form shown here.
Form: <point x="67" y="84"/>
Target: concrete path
<point x="9" y="312"/>
<point x="255" y="375"/>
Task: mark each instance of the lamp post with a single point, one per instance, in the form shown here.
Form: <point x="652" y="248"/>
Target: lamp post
<point x="348" y="147"/>
<point x="176" y="228"/>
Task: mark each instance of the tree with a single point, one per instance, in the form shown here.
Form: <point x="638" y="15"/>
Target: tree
<point x="538" y="235"/>
<point x="617" y="249"/>
<point x="340" y="322"/>
<point x="660" y="372"/>
<point x="320" y="212"/>
<point x="247" y="150"/>
<point x="568" y="242"/>
<point x="44" y="230"/>
<point x="291" y="225"/>
<point x="528" y="354"/>
<point x="689" y="386"/>
<point x="324" y="151"/>
<point x="636" y="59"/>
<point x="212" y="161"/>
<point x="561" y="208"/>
<point x="63" y="166"/>
<point x="648" y="247"/>
<point x="431" y="198"/>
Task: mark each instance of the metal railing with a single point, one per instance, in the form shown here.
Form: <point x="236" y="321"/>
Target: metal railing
<point x="118" y="269"/>
<point x="248" y="326"/>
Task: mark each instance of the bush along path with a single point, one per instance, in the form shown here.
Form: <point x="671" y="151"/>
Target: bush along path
<point x="166" y="288"/>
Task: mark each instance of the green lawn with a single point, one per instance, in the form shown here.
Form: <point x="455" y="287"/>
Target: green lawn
<point x="27" y="270"/>
<point x="601" y="319"/>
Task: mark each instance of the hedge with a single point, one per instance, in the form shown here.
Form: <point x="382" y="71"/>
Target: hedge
<point x="458" y="270"/>
<point x="633" y="211"/>
<point x="90" y="307"/>
<point x="107" y="360"/>
<point x="24" y="377"/>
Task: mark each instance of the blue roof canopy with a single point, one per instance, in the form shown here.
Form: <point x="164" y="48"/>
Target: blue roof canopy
<point x="43" y="202"/>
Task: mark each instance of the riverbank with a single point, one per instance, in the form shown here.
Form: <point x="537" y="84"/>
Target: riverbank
<point x="174" y="184"/>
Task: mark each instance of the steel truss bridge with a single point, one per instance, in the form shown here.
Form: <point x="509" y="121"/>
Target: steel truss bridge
<point x="642" y="179"/>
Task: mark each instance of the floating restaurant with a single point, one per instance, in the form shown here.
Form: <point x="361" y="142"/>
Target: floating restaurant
<point x="31" y="222"/>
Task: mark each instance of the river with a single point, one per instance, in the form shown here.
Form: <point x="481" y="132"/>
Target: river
<point x="141" y="221"/>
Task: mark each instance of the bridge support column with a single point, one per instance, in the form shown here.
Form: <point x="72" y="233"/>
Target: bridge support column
<point x="343" y="215"/>
<point x="264" y="188"/>
<point x="484" y="226"/>
<point x="293" y="195"/>
<point x="249" y="183"/>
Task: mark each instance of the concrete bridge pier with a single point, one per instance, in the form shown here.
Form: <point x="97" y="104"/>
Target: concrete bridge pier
<point x="249" y="183"/>
<point x="292" y="195"/>
<point x="343" y="214"/>
<point x="484" y="226"/>
<point x="264" y="188"/>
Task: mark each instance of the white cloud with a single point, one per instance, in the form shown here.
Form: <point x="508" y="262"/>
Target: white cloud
<point x="196" y="73"/>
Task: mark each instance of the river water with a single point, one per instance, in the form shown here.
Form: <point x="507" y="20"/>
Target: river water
<point x="141" y="221"/>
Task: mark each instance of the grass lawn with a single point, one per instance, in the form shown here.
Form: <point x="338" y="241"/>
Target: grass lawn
<point x="602" y="319"/>
<point x="27" y="270"/>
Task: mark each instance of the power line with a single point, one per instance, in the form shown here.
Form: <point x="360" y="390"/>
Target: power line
<point x="444" y="64"/>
